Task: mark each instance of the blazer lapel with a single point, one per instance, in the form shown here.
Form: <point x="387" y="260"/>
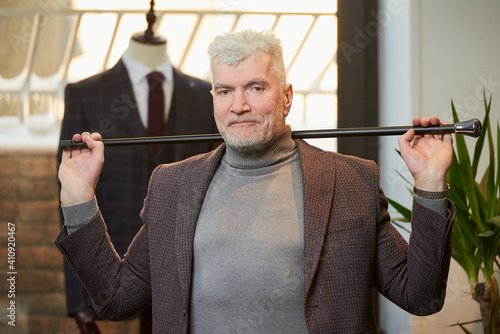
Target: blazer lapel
<point x="190" y="203"/>
<point x="318" y="177"/>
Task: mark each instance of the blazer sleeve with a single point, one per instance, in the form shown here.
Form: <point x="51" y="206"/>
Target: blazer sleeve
<point x="118" y="288"/>
<point x="102" y="285"/>
<point x="362" y="250"/>
<point x="414" y="275"/>
<point x="76" y="297"/>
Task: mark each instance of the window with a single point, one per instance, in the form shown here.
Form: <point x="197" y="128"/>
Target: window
<point x="53" y="45"/>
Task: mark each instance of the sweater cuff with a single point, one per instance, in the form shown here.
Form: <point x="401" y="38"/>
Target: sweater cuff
<point x="439" y="206"/>
<point x="75" y="216"/>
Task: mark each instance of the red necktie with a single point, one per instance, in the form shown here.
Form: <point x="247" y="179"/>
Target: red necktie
<point x="156" y="103"/>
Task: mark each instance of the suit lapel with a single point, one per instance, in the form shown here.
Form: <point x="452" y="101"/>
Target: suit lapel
<point x="318" y="177"/>
<point x="125" y="103"/>
<point x="190" y="203"/>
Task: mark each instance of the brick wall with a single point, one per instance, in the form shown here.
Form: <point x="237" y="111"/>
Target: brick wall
<point x="29" y="202"/>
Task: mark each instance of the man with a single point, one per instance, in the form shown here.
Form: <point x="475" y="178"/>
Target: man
<point x="265" y="234"/>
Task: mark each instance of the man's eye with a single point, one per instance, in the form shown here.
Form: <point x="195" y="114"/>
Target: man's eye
<point x="223" y="92"/>
<point x="258" y="88"/>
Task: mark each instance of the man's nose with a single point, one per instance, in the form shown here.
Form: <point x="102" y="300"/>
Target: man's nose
<point x="240" y="102"/>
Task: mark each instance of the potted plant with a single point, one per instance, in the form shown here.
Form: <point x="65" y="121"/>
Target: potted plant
<point x="476" y="230"/>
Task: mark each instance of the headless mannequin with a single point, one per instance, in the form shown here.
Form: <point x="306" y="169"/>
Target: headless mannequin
<point x="149" y="55"/>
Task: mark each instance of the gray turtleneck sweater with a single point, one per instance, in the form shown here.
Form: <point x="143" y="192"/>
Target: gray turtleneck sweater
<point x="249" y="246"/>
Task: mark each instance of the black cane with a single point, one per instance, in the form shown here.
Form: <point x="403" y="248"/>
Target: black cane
<point x="470" y="128"/>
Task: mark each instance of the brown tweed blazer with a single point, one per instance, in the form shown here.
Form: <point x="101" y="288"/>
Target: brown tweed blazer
<point x="350" y="247"/>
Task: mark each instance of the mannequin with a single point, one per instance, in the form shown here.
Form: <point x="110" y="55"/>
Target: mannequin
<point x="149" y="55"/>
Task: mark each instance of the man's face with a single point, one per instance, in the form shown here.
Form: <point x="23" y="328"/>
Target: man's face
<point x="249" y="104"/>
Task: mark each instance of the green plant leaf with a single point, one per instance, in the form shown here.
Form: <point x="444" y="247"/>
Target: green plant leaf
<point x="481" y="202"/>
<point x="494" y="220"/>
<point x="403" y="227"/>
<point x="460" y="324"/>
<point x="483" y="185"/>
<point x="406" y="180"/>
<point x="467" y="174"/>
<point x="480" y="140"/>
<point x="455" y="180"/>
<point x="496" y="200"/>
<point x="487" y="233"/>
<point x="406" y="213"/>
<point x="465" y="329"/>
<point x="495" y="301"/>
<point x="490" y="185"/>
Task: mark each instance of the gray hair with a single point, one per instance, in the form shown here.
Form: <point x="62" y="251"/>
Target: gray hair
<point x="232" y="48"/>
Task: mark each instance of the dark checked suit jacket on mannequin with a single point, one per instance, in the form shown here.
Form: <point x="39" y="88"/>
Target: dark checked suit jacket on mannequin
<point x="106" y="103"/>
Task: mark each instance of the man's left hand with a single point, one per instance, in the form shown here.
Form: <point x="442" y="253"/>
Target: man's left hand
<point x="428" y="156"/>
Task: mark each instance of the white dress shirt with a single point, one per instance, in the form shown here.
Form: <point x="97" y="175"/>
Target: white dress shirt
<point x="137" y="73"/>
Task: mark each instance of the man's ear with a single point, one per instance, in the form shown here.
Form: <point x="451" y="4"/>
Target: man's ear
<point x="287" y="98"/>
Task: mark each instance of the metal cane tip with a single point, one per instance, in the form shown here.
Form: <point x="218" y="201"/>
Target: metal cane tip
<point x="477" y="127"/>
<point x="470" y="128"/>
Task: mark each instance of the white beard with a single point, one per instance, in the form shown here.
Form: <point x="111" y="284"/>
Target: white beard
<point x="246" y="141"/>
<point x="254" y="137"/>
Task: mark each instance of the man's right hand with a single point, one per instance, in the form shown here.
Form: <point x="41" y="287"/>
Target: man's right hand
<point x="80" y="168"/>
<point x="86" y="322"/>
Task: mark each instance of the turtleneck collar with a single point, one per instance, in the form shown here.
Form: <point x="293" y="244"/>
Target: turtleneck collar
<point x="276" y="150"/>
